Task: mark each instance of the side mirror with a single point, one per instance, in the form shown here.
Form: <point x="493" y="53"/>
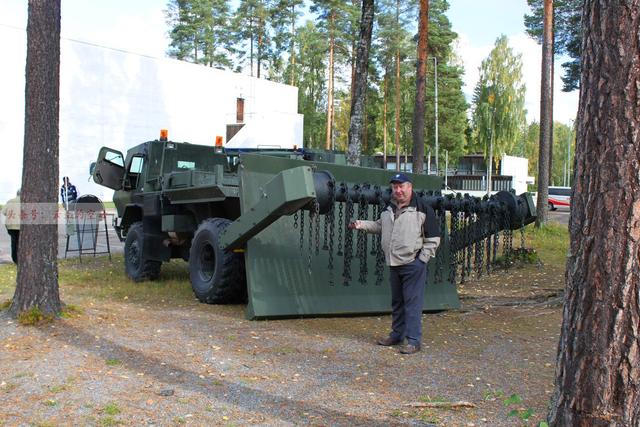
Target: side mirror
<point x="92" y="167"/>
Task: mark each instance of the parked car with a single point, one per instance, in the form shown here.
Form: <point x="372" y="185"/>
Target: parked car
<point x="559" y="196"/>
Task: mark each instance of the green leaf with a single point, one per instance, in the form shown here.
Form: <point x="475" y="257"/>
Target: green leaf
<point x="513" y="413"/>
<point x="513" y="399"/>
<point x="525" y="415"/>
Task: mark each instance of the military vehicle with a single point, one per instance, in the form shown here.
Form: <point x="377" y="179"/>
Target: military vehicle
<point x="270" y="226"/>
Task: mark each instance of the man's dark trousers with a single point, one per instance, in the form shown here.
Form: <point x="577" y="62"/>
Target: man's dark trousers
<point x="15" y="236"/>
<point x="407" y="298"/>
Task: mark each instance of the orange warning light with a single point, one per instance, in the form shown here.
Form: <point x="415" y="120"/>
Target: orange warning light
<point x="218" y="141"/>
<point x="164" y="135"/>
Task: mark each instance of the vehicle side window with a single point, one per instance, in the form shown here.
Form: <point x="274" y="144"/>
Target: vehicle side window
<point x="560" y="192"/>
<point x="115" y="158"/>
<point x="135" y="168"/>
<point x="136" y="164"/>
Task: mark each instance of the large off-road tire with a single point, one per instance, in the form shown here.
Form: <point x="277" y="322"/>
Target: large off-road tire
<point x="135" y="265"/>
<point x="217" y="276"/>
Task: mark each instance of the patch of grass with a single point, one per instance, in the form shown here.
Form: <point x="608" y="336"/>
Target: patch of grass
<point x="34" y="316"/>
<point x="4" y="305"/>
<point x="7" y="277"/>
<point x="492" y="394"/>
<point x="8" y="387"/>
<point x="179" y="420"/>
<point x="111" y="408"/>
<point x="70" y="311"/>
<point x="102" y="279"/>
<point x="551" y="241"/>
<point x="50" y="403"/>
<point x="432" y="399"/>
<point x="108" y="421"/>
<point x="44" y="424"/>
<point x="113" y="362"/>
<point x="58" y="388"/>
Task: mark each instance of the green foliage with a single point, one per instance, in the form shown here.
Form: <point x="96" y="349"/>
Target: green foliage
<point x="452" y="105"/>
<point x="113" y="362"/>
<point x="6" y="304"/>
<point x="563" y="136"/>
<point x="498" y="100"/>
<point x="551" y="241"/>
<point x="311" y="48"/>
<point x="522" y="413"/>
<point x="567" y="33"/>
<point x="34" y="316"/>
<point x="111" y="408"/>
<point x="200" y="31"/>
<point x="70" y="311"/>
<point x="108" y="421"/>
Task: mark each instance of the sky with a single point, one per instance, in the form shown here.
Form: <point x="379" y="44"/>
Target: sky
<point x="139" y="26"/>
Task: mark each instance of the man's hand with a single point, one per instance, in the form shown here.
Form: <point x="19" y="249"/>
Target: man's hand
<point x="354" y="225"/>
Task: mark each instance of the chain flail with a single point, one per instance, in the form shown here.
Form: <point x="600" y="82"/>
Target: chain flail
<point x="301" y="232"/>
<point x="348" y="241"/>
<point x="363" y="213"/>
<point x="316" y="215"/>
<point x="331" y="217"/>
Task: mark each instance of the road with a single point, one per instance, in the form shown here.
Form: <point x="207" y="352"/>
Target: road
<point x="560" y="215"/>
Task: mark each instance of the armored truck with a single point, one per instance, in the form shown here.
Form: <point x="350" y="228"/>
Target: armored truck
<point x="270" y="227"/>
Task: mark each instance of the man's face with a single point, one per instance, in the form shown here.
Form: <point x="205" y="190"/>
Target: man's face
<point x="402" y="192"/>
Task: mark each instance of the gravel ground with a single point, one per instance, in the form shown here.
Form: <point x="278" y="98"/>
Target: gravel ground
<point x="125" y="362"/>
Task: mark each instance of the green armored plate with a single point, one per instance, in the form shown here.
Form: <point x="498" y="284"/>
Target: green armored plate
<point x="280" y="279"/>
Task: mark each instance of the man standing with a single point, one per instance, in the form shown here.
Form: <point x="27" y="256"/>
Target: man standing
<point x="410" y="237"/>
<point x="68" y="192"/>
<point x="11" y="212"/>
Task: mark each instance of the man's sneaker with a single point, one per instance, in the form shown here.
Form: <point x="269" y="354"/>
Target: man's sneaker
<point x="387" y="341"/>
<point x="410" y="349"/>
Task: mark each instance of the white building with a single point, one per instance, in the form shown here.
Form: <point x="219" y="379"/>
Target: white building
<point x="114" y="98"/>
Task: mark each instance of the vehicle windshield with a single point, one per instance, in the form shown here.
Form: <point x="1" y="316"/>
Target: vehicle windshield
<point x="180" y="157"/>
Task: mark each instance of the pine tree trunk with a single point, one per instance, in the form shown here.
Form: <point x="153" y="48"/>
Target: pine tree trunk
<point x="421" y="84"/>
<point x="354" y="54"/>
<point x="357" y="123"/>
<point x="384" y="119"/>
<point x="37" y="282"/>
<point x="259" y="49"/>
<point x="598" y="368"/>
<point x="330" y="85"/>
<point x="397" y="134"/>
<point x="293" y="43"/>
<point x="546" y="115"/>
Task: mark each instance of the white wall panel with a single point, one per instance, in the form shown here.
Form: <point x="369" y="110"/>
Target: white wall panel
<point x="120" y="99"/>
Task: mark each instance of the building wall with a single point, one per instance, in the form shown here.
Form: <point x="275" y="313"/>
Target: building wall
<point x="114" y="98"/>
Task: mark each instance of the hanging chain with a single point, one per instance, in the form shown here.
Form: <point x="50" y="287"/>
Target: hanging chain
<point x="442" y="218"/>
<point x="301" y="232"/>
<point x="295" y="220"/>
<point x="331" y="216"/>
<point x="363" y="213"/>
<point x="310" y="247"/>
<point x="379" y="253"/>
<point x="316" y="215"/>
<point x="453" y="247"/>
<point x="348" y="241"/>
<point x="340" y="220"/>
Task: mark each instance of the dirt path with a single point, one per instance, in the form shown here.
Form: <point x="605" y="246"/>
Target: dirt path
<point x="130" y="362"/>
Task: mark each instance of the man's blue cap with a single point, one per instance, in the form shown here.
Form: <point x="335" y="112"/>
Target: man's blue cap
<point x="399" y="178"/>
